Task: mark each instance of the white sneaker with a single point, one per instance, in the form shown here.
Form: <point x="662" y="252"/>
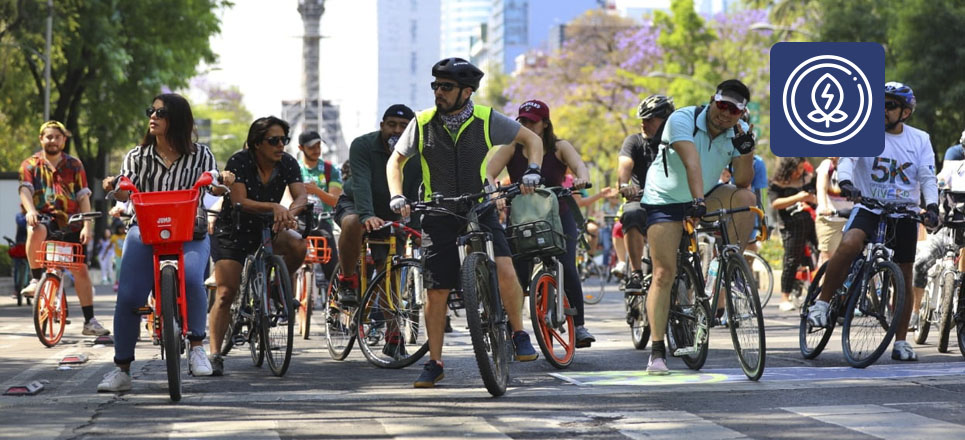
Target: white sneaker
<point x="786" y="306"/>
<point x="94" y="328"/>
<point x="198" y="364"/>
<point x="818" y="314"/>
<point x="902" y="351"/>
<point x="115" y="381"/>
<point x="620" y="269"/>
<point x="29" y="290"/>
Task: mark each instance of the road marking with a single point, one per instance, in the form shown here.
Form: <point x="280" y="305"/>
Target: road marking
<point x="51" y="361"/>
<point x="666" y="425"/>
<point x="882" y="422"/>
<point x="405" y="428"/>
<point x="235" y="430"/>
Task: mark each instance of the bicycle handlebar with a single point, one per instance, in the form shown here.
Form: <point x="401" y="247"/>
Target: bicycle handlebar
<point x="902" y="210"/>
<point x="398" y="225"/>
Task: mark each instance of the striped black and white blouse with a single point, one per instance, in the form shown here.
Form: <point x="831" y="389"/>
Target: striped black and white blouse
<point x="145" y="167"/>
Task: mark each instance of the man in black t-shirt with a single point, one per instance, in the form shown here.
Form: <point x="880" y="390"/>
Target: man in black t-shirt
<point x="638" y="152"/>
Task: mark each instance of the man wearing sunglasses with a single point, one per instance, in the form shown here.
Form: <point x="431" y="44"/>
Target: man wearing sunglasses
<point x="452" y="141"/>
<point x="902" y="173"/>
<point x="698" y="144"/>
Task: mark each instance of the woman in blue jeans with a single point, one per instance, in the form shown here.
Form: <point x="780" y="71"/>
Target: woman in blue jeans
<point x="167" y="159"/>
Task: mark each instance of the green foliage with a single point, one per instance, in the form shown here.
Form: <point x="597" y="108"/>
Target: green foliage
<point x="492" y="93"/>
<point x="109" y="58"/>
<point x="230" y="119"/>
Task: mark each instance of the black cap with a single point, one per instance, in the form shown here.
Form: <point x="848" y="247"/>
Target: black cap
<point x="309" y="138"/>
<point x="399" y="111"/>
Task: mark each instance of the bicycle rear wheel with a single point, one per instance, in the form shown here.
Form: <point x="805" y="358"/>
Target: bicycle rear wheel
<point x="391" y="333"/>
<point x="595" y="281"/>
<point x="636" y="306"/>
<point x="557" y="341"/>
<point x="305" y="290"/>
<point x="487" y="322"/>
<point x="744" y="317"/>
<point x="50" y="310"/>
<point x="761" y="271"/>
<point x="688" y="322"/>
<point x="278" y="323"/>
<point x="339" y="322"/>
<point x="872" y="316"/>
<point x="945" y="310"/>
<point x="256" y="294"/>
<point x="812" y="340"/>
<point x="925" y="317"/>
<point x="171" y="330"/>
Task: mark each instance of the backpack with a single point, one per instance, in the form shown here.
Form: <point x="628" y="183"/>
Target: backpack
<point x="328" y="173"/>
<point x="535" y="227"/>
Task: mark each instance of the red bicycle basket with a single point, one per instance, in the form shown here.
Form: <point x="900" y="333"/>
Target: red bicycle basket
<point x="318" y="250"/>
<point x="166" y="216"/>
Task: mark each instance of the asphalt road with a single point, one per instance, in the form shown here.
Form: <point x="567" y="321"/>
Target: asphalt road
<point x="601" y="395"/>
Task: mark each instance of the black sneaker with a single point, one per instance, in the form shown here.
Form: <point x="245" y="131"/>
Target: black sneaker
<point x="448" y="324"/>
<point x="634" y="284"/>
<point x="217" y="365"/>
<point x="394" y="346"/>
<point x="347" y="297"/>
<point x="431" y="374"/>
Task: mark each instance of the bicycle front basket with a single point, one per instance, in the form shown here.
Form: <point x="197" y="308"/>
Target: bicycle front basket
<point x="535" y="239"/>
<point x="166" y="216"/>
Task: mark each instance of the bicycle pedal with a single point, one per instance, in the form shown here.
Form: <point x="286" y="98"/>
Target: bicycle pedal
<point x="142" y="311"/>
<point x="239" y="340"/>
<point x="686" y="351"/>
<point x="455" y="301"/>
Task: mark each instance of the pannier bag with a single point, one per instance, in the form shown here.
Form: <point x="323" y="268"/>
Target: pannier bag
<point x="535" y="228"/>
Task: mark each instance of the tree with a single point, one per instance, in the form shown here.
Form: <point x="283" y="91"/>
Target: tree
<point x="229" y="118"/>
<point x="109" y="58"/>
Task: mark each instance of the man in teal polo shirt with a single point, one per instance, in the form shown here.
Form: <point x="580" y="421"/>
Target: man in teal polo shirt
<point x="699" y="143"/>
<point x="323" y="183"/>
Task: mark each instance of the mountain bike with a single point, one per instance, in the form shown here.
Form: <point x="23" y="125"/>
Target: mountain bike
<point x="937" y="305"/>
<point x="691" y="297"/>
<point x="167" y="220"/>
<point x="390" y="319"/>
<point x="869" y="302"/>
<point x="58" y="257"/>
<point x="479" y="284"/>
<point x="759" y="266"/>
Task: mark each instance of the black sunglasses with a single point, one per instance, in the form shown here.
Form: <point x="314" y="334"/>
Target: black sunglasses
<point x="278" y="140"/>
<point x="891" y="105"/>
<point x="162" y="112"/>
<point x="445" y="86"/>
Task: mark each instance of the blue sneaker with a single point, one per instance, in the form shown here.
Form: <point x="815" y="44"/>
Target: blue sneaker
<point x="431" y="373"/>
<point x="524" y="349"/>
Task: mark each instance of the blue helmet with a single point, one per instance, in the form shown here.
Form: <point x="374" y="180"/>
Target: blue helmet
<point x="901" y="92"/>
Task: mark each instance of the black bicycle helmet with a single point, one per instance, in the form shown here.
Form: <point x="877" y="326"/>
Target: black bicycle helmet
<point x="459" y="70"/>
<point x="655" y="106"/>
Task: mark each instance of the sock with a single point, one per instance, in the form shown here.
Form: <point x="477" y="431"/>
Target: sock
<point x="658" y="350"/>
<point x="88" y="313"/>
<point x="37" y="273"/>
<point x="351" y="280"/>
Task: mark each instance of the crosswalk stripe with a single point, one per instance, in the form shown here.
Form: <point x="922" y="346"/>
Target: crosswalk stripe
<point x="882" y="422"/>
<point x="49" y="362"/>
<point x="666" y="425"/>
<point x="405" y="428"/>
<point x="234" y="429"/>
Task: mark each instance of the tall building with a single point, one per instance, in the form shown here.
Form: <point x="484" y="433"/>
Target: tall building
<point x="459" y="24"/>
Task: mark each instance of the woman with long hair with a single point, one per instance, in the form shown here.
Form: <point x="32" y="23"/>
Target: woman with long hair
<point x="790" y="191"/>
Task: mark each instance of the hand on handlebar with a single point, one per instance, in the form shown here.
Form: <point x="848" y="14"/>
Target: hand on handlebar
<point x="629" y="190"/>
<point x="373" y="223"/>
<point x="283" y="218"/>
<point x="399" y="205"/>
<point x="697" y="210"/>
<point x="930" y="219"/>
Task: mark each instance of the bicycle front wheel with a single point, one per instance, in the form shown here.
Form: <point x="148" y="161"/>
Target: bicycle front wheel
<point x="761" y="270"/>
<point x="812" y="340"/>
<point x="688" y="322"/>
<point x="744" y="317"/>
<point x="391" y="333"/>
<point x="873" y="315"/>
<point x="278" y="322"/>
<point x="50" y="310"/>
<point x="594" y="280"/>
<point x="636" y="306"/>
<point x="945" y="322"/>
<point x="925" y="317"/>
<point x="339" y="321"/>
<point x="171" y="330"/>
<point x="487" y="322"/>
<point x="305" y="290"/>
<point x="557" y="340"/>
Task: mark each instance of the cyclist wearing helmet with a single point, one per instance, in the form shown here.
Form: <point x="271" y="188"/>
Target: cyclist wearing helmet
<point x="453" y="140"/>
<point x="903" y="172"/>
<point x="636" y="155"/>
<point x="956" y="152"/>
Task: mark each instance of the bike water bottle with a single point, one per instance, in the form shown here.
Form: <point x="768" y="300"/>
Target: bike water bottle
<point x="711" y="276"/>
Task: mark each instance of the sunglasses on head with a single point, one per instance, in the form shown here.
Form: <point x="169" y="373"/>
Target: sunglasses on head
<point x="162" y="112"/>
<point x="278" y="140"/>
<point x="728" y="107"/>
<point x="445" y="86"/>
<point x="891" y="105"/>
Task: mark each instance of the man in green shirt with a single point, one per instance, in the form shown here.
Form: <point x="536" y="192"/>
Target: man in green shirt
<point x="323" y="183"/>
<point x="365" y="204"/>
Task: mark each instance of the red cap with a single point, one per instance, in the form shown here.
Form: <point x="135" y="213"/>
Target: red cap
<point x="534" y="110"/>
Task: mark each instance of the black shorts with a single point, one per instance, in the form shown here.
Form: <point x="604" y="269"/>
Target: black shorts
<point x="673" y="212"/>
<point x="901" y="233"/>
<point x="634" y="217"/>
<point x="228" y="249"/>
<point x="442" y="257"/>
<point x="343" y="207"/>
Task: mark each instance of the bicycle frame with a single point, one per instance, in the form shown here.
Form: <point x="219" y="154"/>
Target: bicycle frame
<point x="392" y="258"/>
<point x="691" y="230"/>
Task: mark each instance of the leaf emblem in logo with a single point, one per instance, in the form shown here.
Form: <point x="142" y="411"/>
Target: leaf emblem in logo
<point x="826" y="92"/>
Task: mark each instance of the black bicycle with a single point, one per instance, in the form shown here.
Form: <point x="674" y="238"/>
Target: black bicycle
<point x="479" y="284"/>
<point x="868" y="304"/>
